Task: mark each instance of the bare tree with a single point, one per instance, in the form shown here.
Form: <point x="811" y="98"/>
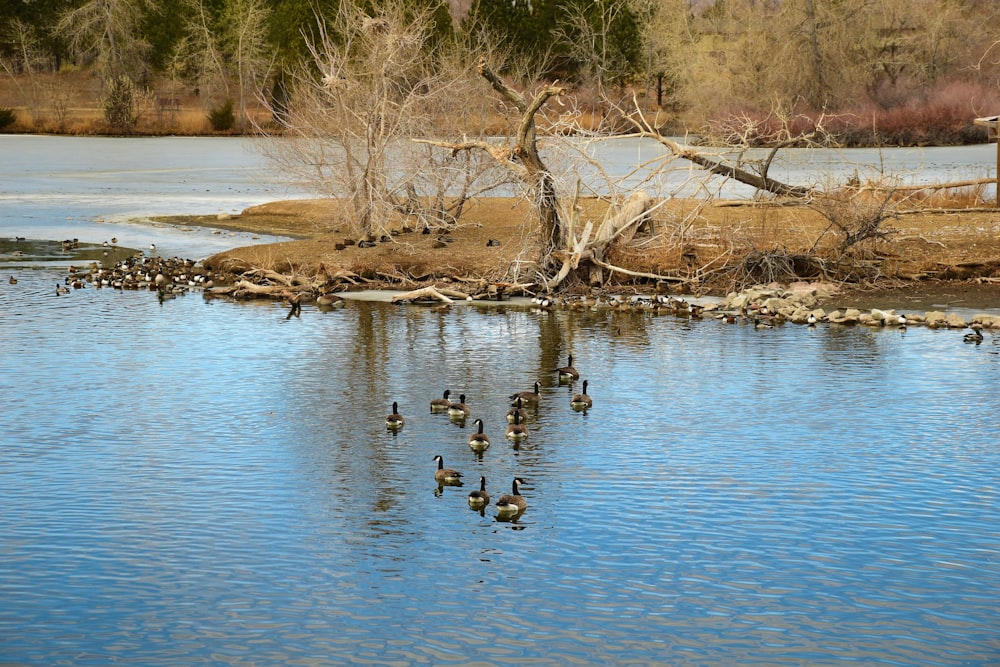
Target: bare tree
<point x="372" y="83"/>
<point x="25" y="63"/>
<point x="109" y="33"/>
<point x="230" y="57"/>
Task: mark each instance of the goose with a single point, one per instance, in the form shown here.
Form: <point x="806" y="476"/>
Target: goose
<point x="395" y="420"/>
<point x="516" y="412"/>
<point x="567" y="373"/>
<point x="446" y="475"/>
<point x="528" y="397"/>
<point x="459" y="410"/>
<point x="441" y="404"/>
<point x="479" y="441"/>
<point x="512" y="504"/>
<point x="581" y="401"/>
<point x="975" y="336"/>
<point x="516" y="431"/>
<point x="479" y="499"/>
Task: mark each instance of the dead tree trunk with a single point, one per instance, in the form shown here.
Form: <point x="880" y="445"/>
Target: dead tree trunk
<point x="523" y="160"/>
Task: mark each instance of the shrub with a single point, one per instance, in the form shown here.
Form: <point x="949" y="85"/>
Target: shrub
<point x="222" y="118"/>
<point x="120" y="105"/>
<point x="7" y="117"/>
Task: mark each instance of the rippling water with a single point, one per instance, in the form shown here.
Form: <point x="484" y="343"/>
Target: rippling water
<point x="204" y="482"/>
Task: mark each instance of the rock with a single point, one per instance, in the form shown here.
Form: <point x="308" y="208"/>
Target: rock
<point x="934" y="319"/>
<point x="955" y="322"/>
<point x="986" y="321"/>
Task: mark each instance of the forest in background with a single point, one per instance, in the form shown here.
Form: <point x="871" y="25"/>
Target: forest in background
<point x="899" y="72"/>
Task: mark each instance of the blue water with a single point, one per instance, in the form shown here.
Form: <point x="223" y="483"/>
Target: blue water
<point x="204" y="482"/>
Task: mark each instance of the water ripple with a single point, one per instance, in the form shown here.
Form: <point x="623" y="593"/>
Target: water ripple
<point x="205" y="482"/>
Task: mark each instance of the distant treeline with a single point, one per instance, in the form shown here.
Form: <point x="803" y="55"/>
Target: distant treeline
<point x="905" y="71"/>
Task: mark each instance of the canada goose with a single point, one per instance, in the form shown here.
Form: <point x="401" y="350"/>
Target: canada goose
<point x="479" y="441"/>
<point x="479" y="499"/>
<point x="516" y="431"/>
<point x="512" y="504"/>
<point x="459" y="410"/>
<point x="567" y="373"/>
<point x="446" y="475"/>
<point x="441" y="404"/>
<point x="61" y="289"/>
<point x="516" y="412"/>
<point x="581" y="401"/>
<point x="975" y="336"/>
<point x="528" y="397"/>
<point x="395" y="420"/>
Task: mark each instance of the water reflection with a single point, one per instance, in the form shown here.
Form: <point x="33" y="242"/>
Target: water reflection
<point x="211" y="482"/>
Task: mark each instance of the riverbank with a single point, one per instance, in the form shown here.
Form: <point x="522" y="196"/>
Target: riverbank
<point x="932" y="257"/>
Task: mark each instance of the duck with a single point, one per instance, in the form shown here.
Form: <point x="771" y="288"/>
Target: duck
<point x="446" y="476"/>
<point x="330" y="300"/>
<point x="517" y="412"/>
<point x="516" y="431"/>
<point x="12" y="280"/>
<point x="513" y="504"/>
<point x="567" y="373"/>
<point x="395" y="420"/>
<point x="582" y="401"/>
<point x="479" y="499"/>
<point x="812" y="319"/>
<point x="459" y="410"/>
<point x="901" y="321"/>
<point x="61" y="289"/>
<point x="528" y="397"/>
<point x="441" y="404"/>
<point x="975" y="336"/>
<point x="757" y="324"/>
<point x="479" y="441"/>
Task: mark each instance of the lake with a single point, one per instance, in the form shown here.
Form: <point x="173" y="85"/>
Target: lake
<point x="204" y="482"/>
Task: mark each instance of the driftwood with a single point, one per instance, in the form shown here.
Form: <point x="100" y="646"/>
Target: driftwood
<point x="430" y="292"/>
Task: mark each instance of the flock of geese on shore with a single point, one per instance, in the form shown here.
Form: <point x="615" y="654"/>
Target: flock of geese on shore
<point x="509" y="506"/>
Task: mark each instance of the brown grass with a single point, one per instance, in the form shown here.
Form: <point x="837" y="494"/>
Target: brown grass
<point x="714" y="245"/>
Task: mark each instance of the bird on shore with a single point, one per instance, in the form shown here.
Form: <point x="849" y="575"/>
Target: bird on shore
<point x="395" y="420"/>
<point x="441" y="404"/>
<point x="581" y="401"/>
<point x="446" y="476"/>
<point x="512" y="505"/>
<point x="567" y="373"/>
<point x="528" y="397"/>
<point x="479" y="441"/>
<point x="481" y="498"/>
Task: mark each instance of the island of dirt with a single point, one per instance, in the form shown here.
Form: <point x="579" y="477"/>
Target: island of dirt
<point x="937" y="257"/>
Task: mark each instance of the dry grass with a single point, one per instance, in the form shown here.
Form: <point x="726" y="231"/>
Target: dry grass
<point x="719" y="245"/>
